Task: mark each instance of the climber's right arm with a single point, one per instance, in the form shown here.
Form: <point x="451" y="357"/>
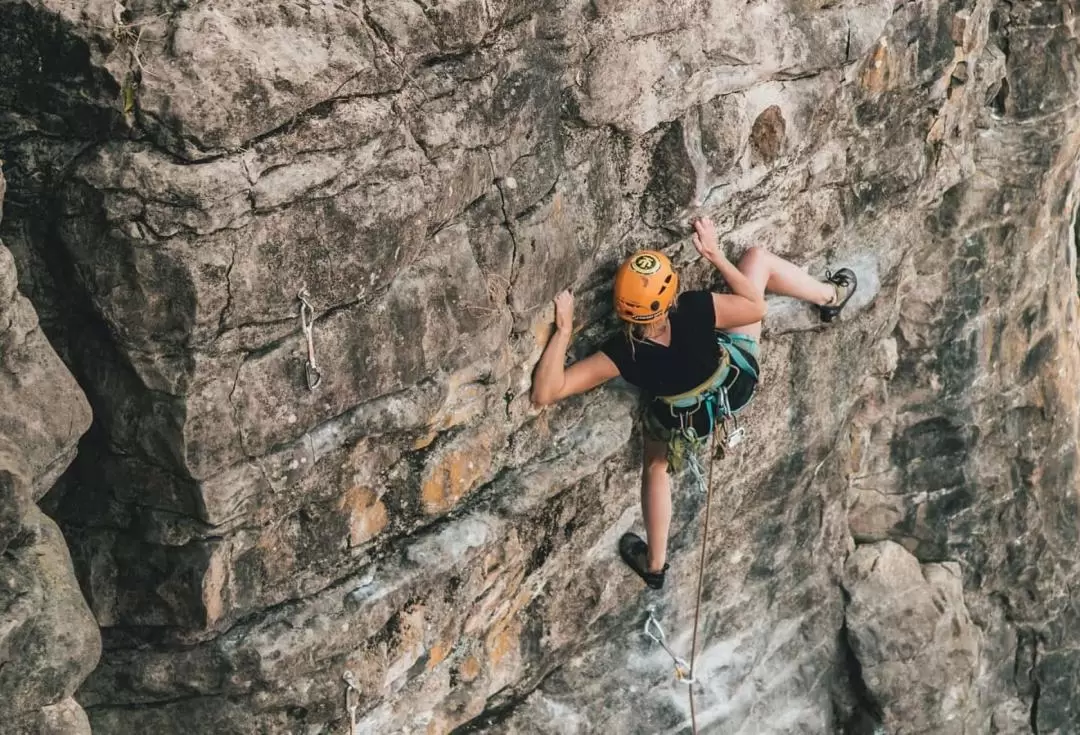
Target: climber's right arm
<point x="553" y="382"/>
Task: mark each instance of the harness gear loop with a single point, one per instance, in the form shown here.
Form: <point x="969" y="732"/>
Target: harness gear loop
<point x="352" y="698"/>
<point x="682" y="669"/>
<point x="307" y="324"/>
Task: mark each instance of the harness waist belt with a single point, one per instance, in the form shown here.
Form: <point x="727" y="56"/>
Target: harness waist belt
<point x="693" y="397"/>
<point x="729" y="353"/>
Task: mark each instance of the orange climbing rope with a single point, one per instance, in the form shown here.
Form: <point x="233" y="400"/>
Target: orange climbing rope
<point x="701" y="577"/>
<point x="684" y="671"/>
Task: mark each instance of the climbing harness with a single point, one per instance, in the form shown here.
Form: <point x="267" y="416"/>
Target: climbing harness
<point x="352" y="699"/>
<point x="307" y="323"/>
<point x="712" y="397"/>
<point x="684" y="672"/>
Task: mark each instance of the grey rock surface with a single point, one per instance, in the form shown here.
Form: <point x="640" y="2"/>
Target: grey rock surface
<point x="431" y="174"/>
<point x="49" y="641"/>
<point x="913" y="638"/>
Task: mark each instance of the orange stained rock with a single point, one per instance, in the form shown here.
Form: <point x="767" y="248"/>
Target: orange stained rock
<point x="411" y="629"/>
<point x="367" y="514"/>
<point x="437" y="655"/>
<point x="768" y="133"/>
<point x="469" y="669"/>
<point x="542" y="329"/>
<point x="875" y="74"/>
<point x="215" y="584"/>
<point x="856" y="451"/>
<point x="451" y="475"/>
<point x="503" y="640"/>
<point x="937" y="130"/>
<point x="503" y="570"/>
<point x="464" y="402"/>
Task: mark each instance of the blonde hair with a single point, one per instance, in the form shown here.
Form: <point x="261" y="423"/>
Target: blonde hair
<point x="636" y="332"/>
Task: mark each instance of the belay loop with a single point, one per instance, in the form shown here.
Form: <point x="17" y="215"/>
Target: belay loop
<point x="307" y="324"/>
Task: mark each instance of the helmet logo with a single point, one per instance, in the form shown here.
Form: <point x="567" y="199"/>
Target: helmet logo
<point x="645" y="264"/>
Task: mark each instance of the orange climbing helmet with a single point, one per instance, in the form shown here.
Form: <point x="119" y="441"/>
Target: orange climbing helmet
<point x="645" y="287"/>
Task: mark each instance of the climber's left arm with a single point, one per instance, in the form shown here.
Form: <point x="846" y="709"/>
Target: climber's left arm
<point x="745" y="304"/>
<point x="553" y="382"/>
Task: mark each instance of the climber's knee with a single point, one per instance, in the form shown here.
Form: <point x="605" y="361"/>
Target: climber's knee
<point x="752" y="256"/>
<point x="754" y="262"/>
<point x="755" y="265"/>
<point x="655" y="460"/>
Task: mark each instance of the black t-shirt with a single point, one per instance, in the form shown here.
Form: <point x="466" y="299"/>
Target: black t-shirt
<point x="689" y="361"/>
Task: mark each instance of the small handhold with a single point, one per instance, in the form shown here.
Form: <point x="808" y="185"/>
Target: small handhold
<point x="960" y="73"/>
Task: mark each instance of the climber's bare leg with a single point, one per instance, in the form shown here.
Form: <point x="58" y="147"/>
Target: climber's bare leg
<point x="656" y="502"/>
<point x="772" y="273"/>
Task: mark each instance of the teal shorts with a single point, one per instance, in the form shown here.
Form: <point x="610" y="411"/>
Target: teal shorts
<point x="747" y="344"/>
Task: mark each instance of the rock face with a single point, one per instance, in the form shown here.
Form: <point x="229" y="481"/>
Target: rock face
<point x="911" y="633"/>
<point x="49" y="641"/>
<point x="429" y="175"/>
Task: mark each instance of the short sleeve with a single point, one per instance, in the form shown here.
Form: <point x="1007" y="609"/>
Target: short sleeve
<point x="617" y="348"/>
<point x="697" y="310"/>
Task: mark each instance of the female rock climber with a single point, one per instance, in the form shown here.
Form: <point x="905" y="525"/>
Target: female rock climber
<point x="694" y="355"/>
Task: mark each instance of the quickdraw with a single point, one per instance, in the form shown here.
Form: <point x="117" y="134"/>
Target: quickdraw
<point x="682" y="669"/>
<point x="307" y="324"/>
<point x="352" y="699"/>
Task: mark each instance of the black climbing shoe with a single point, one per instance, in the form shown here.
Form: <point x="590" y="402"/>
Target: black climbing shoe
<point x="845" y="283"/>
<point x="635" y="553"/>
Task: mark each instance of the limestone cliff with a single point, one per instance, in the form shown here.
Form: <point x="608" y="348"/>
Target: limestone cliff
<point x="894" y="545"/>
